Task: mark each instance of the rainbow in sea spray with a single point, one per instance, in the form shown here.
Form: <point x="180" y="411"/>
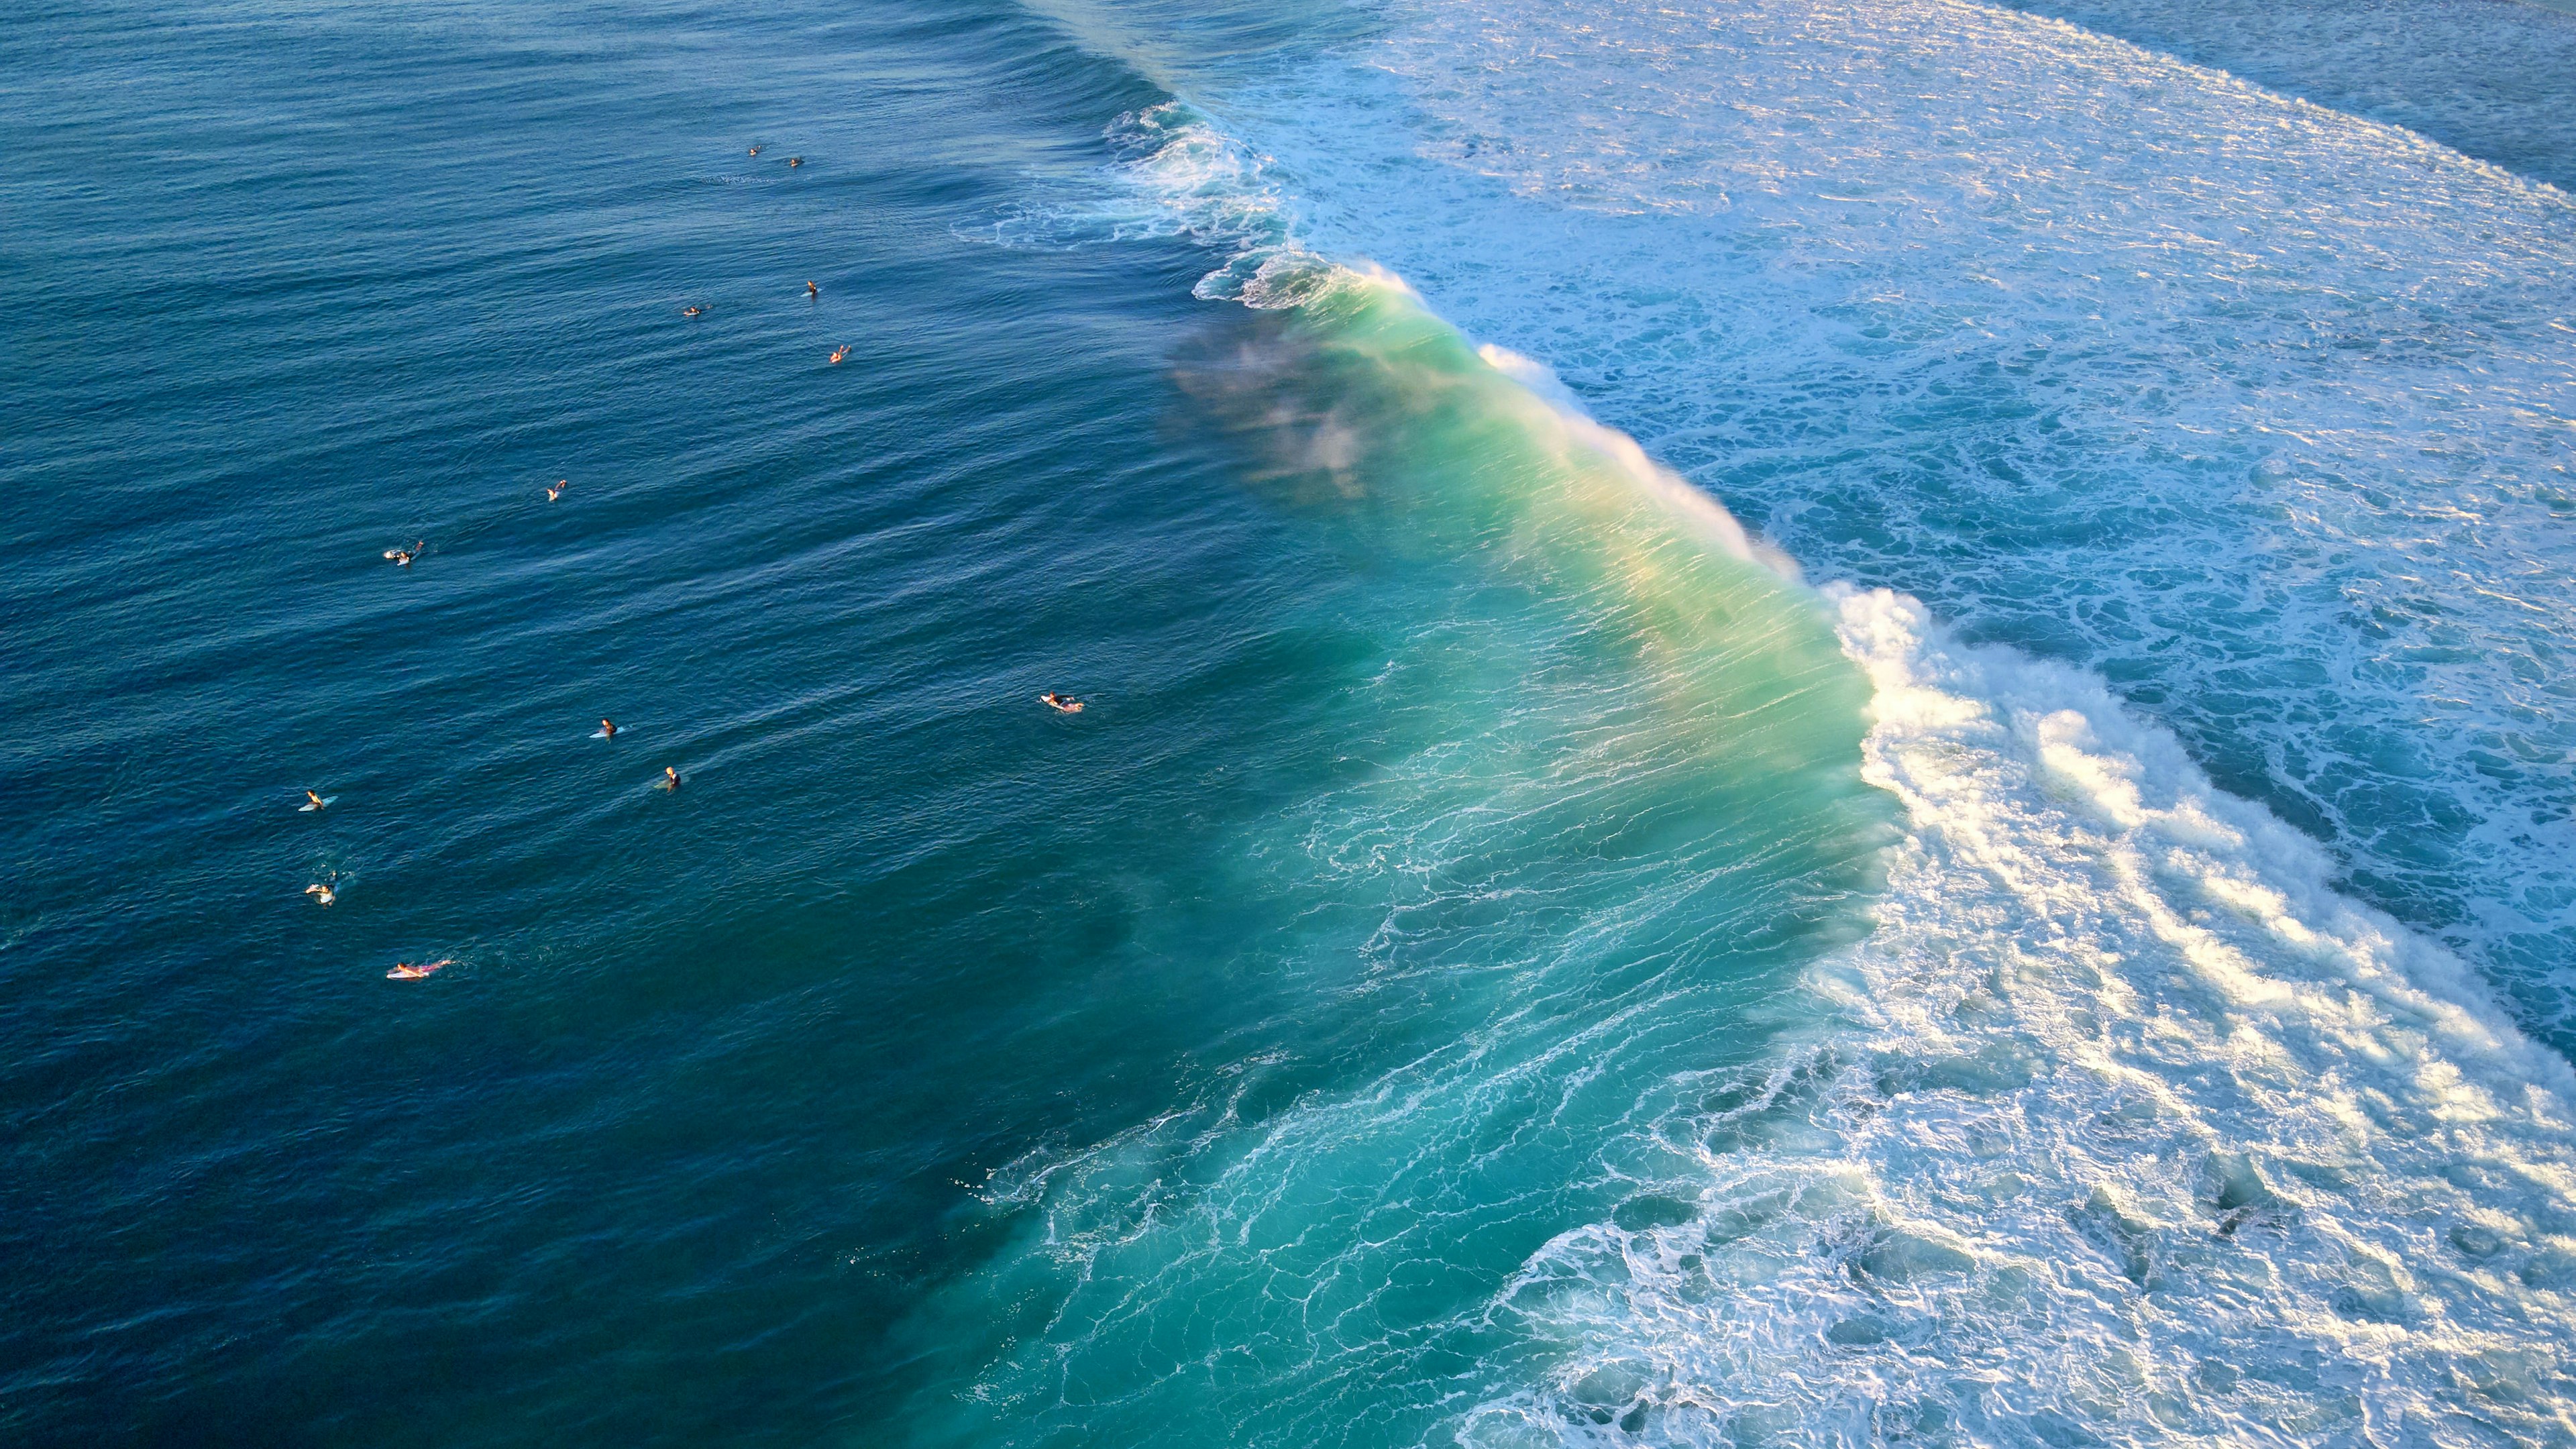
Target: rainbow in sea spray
<point x="2120" y="1122"/>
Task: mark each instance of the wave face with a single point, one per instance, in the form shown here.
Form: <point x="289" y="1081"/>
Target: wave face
<point x="2260" y="411"/>
<point x="2131" y="1119"/>
<point x="1612" y="809"/>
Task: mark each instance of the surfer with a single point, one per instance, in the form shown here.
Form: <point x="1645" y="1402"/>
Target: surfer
<point x="402" y="557"/>
<point x="405" y="971"/>
<point x="608" y="729"/>
<point x="755" y="150"/>
<point x="813" y="291"/>
<point x="795" y="160"/>
<point x="1061" y="703"/>
<point x="691" y="310"/>
<point x="670" y="779"/>
<point x="322" y="893"/>
<point x="314" y="801"/>
<point x="840" y="352"/>
<point x="557" y="491"/>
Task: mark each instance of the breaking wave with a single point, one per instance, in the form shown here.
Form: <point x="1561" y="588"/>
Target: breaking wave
<point x="2126" y="1118"/>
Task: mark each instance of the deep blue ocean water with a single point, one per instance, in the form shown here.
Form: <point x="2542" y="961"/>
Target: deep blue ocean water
<point x="2058" y="936"/>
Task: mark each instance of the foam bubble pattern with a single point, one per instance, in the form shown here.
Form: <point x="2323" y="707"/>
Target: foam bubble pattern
<point x="2263" y="411"/>
<point x="2131" y="1130"/>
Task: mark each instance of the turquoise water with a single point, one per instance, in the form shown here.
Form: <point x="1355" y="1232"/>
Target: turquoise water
<point x="1506" y="955"/>
<point x="710" y="1067"/>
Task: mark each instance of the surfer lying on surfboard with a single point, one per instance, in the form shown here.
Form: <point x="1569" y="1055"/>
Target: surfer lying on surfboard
<point x="405" y="971"/>
<point x="1061" y="703"/>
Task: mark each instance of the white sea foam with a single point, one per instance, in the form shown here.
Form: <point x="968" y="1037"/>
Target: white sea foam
<point x="2127" y="1124"/>
<point x="2128" y="1129"/>
<point x="2264" y="411"/>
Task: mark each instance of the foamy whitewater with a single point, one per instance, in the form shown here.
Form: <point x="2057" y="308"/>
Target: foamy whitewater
<point x="2108" y="397"/>
<point x="2128" y="1127"/>
<point x="2261" y="410"/>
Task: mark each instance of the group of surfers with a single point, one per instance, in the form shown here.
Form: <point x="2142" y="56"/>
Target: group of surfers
<point x="327" y="892"/>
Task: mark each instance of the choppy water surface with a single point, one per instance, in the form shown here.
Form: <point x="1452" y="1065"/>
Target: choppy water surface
<point x="2052" y="929"/>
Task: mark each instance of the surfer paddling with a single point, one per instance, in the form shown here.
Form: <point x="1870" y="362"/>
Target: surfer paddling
<point x="557" y="491"/>
<point x="405" y="971"/>
<point x="840" y="352"/>
<point x="402" y="557"/>
<point x="1061" y="703"/>
<point x="322" y="893"/>
<point x="691" y="310"/>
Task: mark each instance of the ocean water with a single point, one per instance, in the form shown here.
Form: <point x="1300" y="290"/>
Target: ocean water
<point x="1816" y="724"/>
